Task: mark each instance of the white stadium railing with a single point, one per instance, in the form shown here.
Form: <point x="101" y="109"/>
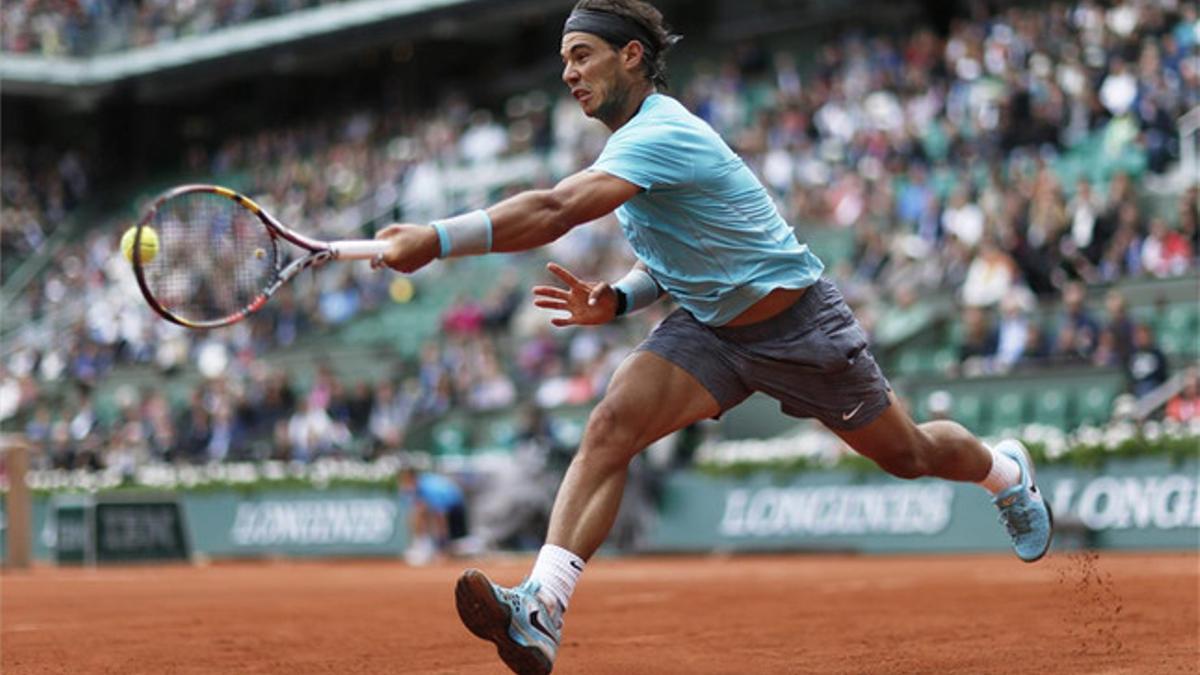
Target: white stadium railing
<point x="24" y="69"/>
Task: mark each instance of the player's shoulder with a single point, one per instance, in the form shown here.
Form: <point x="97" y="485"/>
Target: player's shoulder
<point x="662" y="118"/>
<point x="660" y="108"/>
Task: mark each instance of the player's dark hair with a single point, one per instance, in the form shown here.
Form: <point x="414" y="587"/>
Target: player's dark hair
<point x="650" y="20"/>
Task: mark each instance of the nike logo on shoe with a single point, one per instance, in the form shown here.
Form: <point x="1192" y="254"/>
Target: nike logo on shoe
<point x="536" y="623"/>
<point x="846" y="416"/>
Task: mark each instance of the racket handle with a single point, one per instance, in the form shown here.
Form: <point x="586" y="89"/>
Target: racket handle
<point x="359" y="249"/>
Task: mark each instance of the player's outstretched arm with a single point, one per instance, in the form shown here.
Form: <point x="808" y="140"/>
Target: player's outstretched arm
<point x="521" y="222"/>
<point x="537" y="217"/>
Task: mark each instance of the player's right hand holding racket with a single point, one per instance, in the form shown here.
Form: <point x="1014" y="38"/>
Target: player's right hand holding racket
<point x="412" y="247"/>
<point x="587" y="303"/>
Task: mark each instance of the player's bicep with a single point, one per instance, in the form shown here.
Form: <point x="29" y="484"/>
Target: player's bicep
<point x="588" y="195"/>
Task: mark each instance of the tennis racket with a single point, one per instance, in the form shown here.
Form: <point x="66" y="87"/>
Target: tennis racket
<point x="219" y="256"/>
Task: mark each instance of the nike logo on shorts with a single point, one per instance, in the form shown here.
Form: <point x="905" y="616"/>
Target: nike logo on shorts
<point x="846" y="416"/>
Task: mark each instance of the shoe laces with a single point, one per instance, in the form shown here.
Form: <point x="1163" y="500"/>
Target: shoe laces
<point x="512" y="596"/>
<point x="1016" y="519"/>
<point x="519" y="595"/>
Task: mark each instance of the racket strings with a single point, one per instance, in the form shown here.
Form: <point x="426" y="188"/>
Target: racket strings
<point x="215" y="257"/>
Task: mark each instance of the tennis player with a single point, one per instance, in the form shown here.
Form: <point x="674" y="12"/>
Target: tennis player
<point x="754" y="314"/>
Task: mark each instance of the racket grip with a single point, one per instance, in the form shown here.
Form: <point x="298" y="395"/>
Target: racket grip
<point x="359" y="249"/>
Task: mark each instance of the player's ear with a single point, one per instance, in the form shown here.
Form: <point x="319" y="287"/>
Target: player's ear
<point x="632" y="55"/>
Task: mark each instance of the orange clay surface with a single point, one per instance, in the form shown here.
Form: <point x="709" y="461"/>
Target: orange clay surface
<point x="1071" y="613"/>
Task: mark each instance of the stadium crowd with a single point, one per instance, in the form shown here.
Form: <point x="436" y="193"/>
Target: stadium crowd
<point x="89" y="27"/>
<point x="997" y="162"/>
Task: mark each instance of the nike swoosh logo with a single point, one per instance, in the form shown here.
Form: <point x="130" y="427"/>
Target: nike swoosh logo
<point x="846" y="416"/>
<point x="533" y="621"/>
<point x="576" y="565"/>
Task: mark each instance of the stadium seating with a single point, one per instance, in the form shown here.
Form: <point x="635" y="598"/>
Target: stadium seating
<point x="839" y="186"/>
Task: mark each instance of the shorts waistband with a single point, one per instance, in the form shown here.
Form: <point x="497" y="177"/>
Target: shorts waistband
<point x="783" y="323"/>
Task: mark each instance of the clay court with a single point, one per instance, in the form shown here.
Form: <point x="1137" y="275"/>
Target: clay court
<point x="1072" y="613"/>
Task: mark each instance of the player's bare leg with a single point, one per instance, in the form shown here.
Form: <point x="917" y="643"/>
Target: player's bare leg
<point x="906" y="449"/>
<point x="947" y="450"/>
<point x="648" y="398"/>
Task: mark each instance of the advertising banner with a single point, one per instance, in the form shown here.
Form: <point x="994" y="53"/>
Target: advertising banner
<point x="1141" y="504"/>
<point x="300" y="523"/>
<point x="1131" y="504"/>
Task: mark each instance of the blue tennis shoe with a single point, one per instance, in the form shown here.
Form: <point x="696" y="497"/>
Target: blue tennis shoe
<point x="525" y="630"/>
<point x="1023" y="512"/>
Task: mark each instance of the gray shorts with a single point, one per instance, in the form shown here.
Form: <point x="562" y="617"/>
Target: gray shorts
<point x="811" y="357"/>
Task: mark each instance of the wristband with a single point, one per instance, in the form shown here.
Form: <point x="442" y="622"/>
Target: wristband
<point x="638" y="290"/>
<point x="468" y="234"/>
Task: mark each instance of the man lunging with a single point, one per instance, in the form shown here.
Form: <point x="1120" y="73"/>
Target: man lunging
<point x="755" y="315"/>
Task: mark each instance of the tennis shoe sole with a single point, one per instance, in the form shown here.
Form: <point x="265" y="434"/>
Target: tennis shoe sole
<point x="489" y="619"/>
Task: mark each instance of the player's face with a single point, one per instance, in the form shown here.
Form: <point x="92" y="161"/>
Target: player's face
<point x="592" y="70"/>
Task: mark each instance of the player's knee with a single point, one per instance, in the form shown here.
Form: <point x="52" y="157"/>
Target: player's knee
<point x="610" y="435"/>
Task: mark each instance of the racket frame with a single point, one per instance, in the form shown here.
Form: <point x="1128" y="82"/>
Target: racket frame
<point x="319" y="253"/>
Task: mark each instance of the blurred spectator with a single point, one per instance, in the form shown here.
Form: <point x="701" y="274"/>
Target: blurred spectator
<point x="1119" y="325"/>
<point x="1185" y="405"/>
<point x="1078" y="332"/>
<point x="358" y="405"/>
<point x="1165" y="252"/>
<point x="979" y="342"/>
<point x="1146" y="365"/>
<point x="492" y="389"/>
<point x="311" y="433"/>
<point x="391" y="413"/>
<point x="196" y="431"/>
<point x="1084" y="209"/>
<point x="464" y="317"/>
<point x="502" y="301"/>
<point x="1107" y="354"/>
<point x="1012" y="335"/>
<point x="1038" y="346"/>
<point x="224" y="434"/>
<point x="991" y="276"/>
<point x="962" y="218"/>
<point x="1119" y="89"/>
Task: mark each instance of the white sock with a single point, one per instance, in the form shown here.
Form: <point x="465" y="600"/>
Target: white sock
<point x="557" y="570"/>
<point x="1004" y="474"/>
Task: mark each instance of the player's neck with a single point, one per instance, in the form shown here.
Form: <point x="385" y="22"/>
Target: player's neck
<point x="630" y="106"/>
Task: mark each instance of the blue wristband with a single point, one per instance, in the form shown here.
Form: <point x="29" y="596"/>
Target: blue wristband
<point x="467" y="234"/>
<point x="443" y="239"/>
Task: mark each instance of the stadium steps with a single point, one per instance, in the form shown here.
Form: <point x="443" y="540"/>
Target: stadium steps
<point x="464" y="432"/>
<point x="1064" y="398"/>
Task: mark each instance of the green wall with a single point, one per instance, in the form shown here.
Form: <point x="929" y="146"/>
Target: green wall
<point x="1143" y="504"/>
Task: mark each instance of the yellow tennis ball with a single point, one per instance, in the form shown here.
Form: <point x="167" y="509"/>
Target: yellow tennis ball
<point x="149" y="243"/>
<point x="401" y="290"/>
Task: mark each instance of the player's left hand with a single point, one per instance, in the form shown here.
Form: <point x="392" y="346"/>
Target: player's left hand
<point x="413" y="247"/>
<point x="587" y="303"/>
